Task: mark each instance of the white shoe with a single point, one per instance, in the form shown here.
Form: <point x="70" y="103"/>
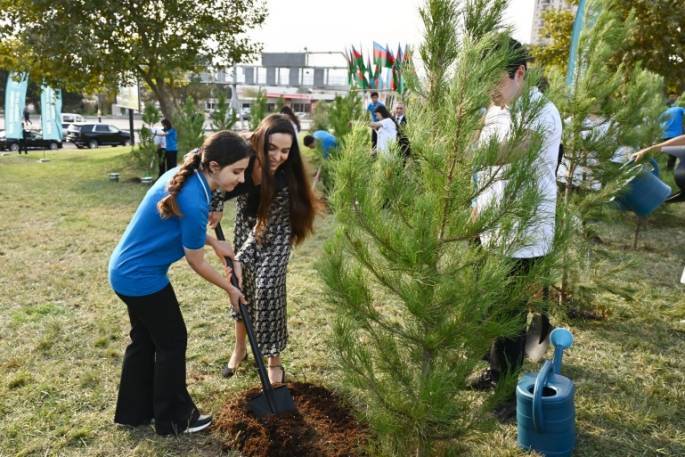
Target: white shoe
<point x="199" y="424"/>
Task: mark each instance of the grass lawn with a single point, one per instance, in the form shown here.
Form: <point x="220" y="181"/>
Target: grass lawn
<point x="63" y="331"/>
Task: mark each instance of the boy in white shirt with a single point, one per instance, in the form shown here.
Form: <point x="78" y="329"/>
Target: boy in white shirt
<point x="506" y="355"/>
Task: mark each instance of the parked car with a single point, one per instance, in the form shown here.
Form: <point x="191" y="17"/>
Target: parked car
<point x="94" y="135"/>
<point x="68" y="119"/>
<point x="34" y="140"/>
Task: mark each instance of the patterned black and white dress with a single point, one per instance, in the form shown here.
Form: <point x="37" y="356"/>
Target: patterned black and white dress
<point x="265" y="266"/>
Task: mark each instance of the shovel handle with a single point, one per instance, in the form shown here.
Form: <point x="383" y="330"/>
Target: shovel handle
<point x="247" y="321"/>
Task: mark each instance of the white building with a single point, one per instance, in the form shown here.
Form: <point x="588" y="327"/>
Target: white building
<point x="540" y="7"/>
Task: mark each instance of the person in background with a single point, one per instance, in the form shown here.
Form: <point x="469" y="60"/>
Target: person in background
<point x="293" y="118"/>
<point x="171" y="149"/>
<point x="672" y="124"/>
<point x="506" y="354"/>
<point x="25" y="132"/>
<point x="386" y="128"/>
<point x="371" y="108"/>
<point x="169" y="224"/>
<point x="323" y="139"/>
<point x="401" y="120"/>
<point x="160" y="142"/>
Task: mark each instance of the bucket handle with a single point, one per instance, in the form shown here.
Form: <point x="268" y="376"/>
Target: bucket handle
<point x="540" y="383"/>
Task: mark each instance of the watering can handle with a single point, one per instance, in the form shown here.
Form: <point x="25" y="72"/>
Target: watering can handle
<point x="540" y="383"/>
<point x="655" y="165"/>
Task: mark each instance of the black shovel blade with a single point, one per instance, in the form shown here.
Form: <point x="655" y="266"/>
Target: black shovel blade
<point x="282" y="401"/>
<point x="537" y="337"/>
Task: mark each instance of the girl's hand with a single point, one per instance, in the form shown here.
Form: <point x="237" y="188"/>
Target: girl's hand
<point x="236" y="297"/>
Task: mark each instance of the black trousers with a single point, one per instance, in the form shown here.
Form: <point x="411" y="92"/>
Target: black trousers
<point x="506" y="354"/>
<point x="670" y="165"/>
<point x="374" y="139"/>
<point x="161" y="155"/>
<point x="153" y="377"/>
<point x="171" y="159"/>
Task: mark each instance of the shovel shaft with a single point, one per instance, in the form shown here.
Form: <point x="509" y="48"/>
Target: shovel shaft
<point x="247" y="321"/>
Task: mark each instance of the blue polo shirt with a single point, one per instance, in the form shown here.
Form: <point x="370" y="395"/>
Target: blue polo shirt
<point x="372" y="108"/>
<point x="327" y="142"/>
<point x="150" y="244"/>
<point x="171" y="140"/>
<point x="672" y="121"/>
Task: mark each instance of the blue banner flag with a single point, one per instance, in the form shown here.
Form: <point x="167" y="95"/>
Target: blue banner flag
<point x="15" y="101"/>
<point x="58" y="112"/>
<point x="50" y="117"/>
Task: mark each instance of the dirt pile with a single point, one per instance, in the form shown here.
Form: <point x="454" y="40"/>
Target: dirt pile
<point x="322" y="427"/>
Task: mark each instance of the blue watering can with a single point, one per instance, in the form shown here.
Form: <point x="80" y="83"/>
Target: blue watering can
<point x="644" y="192"/>
<point x="545" y="409"/>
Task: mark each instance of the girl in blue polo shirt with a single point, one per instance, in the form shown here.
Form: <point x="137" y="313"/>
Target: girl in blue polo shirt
<point x="170" y="223"/>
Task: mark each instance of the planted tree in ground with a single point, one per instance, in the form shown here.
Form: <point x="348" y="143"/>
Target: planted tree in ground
<point x="145" y="155"/>
<point x="258" y="110"/>
<point x="607" y="111"/>
<point x="223" y="117"/>
<point x="320" y="120"/>
<point x="416" y="301"/>
<point x="343" y="111"/>
<point x="189" y="127"/>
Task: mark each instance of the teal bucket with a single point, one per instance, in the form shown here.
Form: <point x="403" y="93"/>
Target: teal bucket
<point x="644" y="193"/>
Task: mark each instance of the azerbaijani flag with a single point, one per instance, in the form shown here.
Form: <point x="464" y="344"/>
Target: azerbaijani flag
<point x="380" y="55"/>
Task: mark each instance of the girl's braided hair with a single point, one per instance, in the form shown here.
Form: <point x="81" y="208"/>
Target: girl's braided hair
<point x="223" y="147"/>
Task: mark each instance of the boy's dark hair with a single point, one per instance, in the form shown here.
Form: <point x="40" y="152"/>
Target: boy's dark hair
<point x="308" y="140"/>
<point x="374" y="94"/>
<point x="517" y="55"/>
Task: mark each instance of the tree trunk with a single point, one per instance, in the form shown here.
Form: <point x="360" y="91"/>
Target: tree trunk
<point x="164" y="95"/>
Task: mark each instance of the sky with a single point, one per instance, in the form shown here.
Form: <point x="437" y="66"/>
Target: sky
<point x="332" y="25"/>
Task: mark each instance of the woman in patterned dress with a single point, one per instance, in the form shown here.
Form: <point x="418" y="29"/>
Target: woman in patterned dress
<point x="275" y="210"/>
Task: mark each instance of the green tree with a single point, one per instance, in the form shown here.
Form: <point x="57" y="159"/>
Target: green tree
<point x="258" y="111"/>
<point x="320" y="119"/>
<point x="343" y="111"/>
<point x="223" y="117"/>
<point x="607" y="107"/>
<point x="145" y="155"/>
<point x="556" y="29"/>
<point x="417" y="303"/>
<point x="190" y="127"/>
<point x="85" y="45"/>
<point x="656" y="42"/>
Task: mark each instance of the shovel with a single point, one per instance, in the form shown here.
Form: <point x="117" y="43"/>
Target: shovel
<point x="270" y="401"/>
<point x="537" y="337"/>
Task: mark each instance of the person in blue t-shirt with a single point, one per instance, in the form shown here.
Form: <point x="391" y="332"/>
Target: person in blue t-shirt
<point x="371" y="108"/>
<point x="169" y="224"/>
<point x="321" y="138"/>
<point x="171" y="144"/>
<point x="672" y="124"/>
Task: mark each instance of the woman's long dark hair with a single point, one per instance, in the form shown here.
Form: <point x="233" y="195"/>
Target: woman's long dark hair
<point x="293" y="117"/>
<point x="383" y="111"/>
<point x="304" y="205"/>
<point x="223" y="147"/>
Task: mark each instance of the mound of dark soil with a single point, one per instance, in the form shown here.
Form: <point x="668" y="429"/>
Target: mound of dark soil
<point x="322" y="427"/>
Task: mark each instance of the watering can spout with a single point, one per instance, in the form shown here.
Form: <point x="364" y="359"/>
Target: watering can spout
<point x="561" y="339"/>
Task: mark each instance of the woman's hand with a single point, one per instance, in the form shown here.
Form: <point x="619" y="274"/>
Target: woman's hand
<point x="238" y="270"/>
<point x="215" y="218"/>
<point x="639" y="155"/>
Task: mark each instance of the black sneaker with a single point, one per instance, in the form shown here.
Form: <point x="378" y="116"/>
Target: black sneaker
<point x="484" y="380"/>
<point x="199" y="424"/>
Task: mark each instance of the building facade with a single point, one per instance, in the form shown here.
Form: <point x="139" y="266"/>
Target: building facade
<point x="540" y="7"/>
